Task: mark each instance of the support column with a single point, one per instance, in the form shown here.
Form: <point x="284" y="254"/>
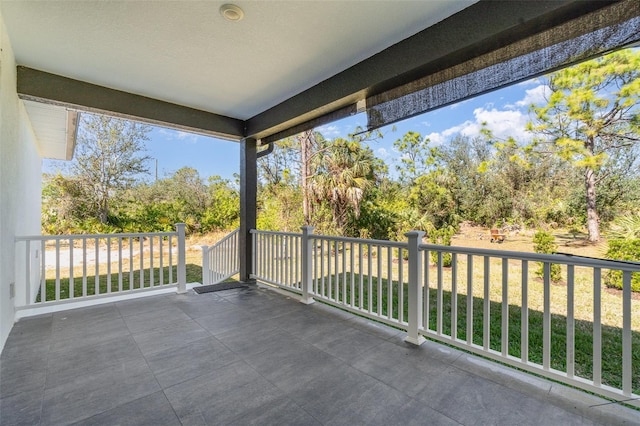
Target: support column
<point x="415" y="288"/>
<point x="248" y="205"/>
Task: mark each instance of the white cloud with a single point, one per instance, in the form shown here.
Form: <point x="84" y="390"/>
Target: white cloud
<point x="537" y="95"/>
<point x="502" y="123"/>
<point x="383" y="153"/>
<point x="329" y="131"/>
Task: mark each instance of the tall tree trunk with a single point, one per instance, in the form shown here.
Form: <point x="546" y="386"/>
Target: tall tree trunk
<point x="306" y="154"/>
<point x="593" y="221"/>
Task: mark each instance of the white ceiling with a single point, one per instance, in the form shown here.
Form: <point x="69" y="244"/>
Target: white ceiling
<point x="186" y="53"/>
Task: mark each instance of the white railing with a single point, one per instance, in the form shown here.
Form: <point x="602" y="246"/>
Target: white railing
<point x="56" y="269"/>
<point x="277" y="259"/>
<point x="546" y="314"/>
<point x="221" y="260"/>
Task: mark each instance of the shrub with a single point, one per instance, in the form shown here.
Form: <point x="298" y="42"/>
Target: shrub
<point x="442" y="237"/>
<point x="623" y="249"/>
<point x="545" y="242"/>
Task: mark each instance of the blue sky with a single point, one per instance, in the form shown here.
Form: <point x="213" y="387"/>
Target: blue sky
<point x="505" y="112"/>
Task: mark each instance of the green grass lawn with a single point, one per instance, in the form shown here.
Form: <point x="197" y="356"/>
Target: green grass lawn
<point x="194" y="274"/>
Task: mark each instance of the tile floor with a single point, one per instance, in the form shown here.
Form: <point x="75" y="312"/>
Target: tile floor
<point x="256" y="356"/>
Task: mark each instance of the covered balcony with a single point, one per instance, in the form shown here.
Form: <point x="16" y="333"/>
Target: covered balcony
<point x="386" y="332"/>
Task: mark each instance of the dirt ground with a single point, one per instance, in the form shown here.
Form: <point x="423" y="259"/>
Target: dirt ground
<point x="522" y="240"/>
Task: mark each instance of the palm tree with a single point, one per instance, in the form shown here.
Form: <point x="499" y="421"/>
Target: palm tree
<point x="344" y="173"/>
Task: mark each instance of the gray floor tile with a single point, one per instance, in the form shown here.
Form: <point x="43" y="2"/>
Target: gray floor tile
<point x="151" y="320"/>
<point x="149" y="410"/>
<point x="143" y="304"/>
<point x="23" y="408"/>
<point x="76" y="336"/>
<point x="182" y="363"/>
<point x="247" y="341"/>
<point x="67" y="366"/>
<point x="222" y="396"/>
<point x="295" y="371"/>
<point x="91" y="395"/>
<point x="399" y="367"/>
<point x="346" y="396"/>
<point x="346" y="343"/>
<point x="169" y="337"/>
<point x="279" y="412"/>
<point x="221" y="322"/>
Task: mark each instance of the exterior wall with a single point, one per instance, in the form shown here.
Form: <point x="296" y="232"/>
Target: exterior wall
<point x="20" y="182"/>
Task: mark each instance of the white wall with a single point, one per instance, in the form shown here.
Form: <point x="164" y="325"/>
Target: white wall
<point x="20" y="181"/>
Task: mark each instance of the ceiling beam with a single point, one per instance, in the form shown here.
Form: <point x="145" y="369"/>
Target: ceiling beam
<point x="476" y="30"/>
<point x="54" y="89"/>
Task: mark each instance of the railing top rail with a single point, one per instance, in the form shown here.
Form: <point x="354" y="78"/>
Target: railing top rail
<point x="563" y="258"/>
<point x="286" y="234"/>
<point x="224" y="239"/>
<point x="386" y="243"/>
<point x="92" y="236"/>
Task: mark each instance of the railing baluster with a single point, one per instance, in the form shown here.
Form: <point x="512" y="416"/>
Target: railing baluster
<point x="597" y="327"/>
<point x="84" y="267"/>
<point x="454" y="296"/>
<point x="344" y="274"/>
<point x="389" y="283"/>
<point x="141" y="273"/>
<point x="400" y="287"/>
<point x="27" y="273"/>
<point x="131" y="278"/>
<point x="486" y="312"/>
<point x="120" y="283"/>
<point x="439" y="310"/>
<point x="546" y="317"/>
<point x="378" y="290"/>
<point x="43" y="273"/>
<point x="322" y="276"/>
<point x="627" y="373"/>
<point x="71" y="278"/>
<point x="352" y="268"/>
<point x="469" y="299"/>
<point x="57" y="295"/>
<point x="152" y="280"/>
<point x="161" y="270"/>
<point x="571" y="356"/>
<point x="96" y="283"/>
<point x="361" y="273"/>
<point x="426" y="308"/>
<point x="370" y="281"/>
<point x="524" y="314"/>
<point x="108" y="265"/>
<point x="336" y="294"/>
<point x="505" y="308"/>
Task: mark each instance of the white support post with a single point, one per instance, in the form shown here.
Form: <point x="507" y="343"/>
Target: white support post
<point x="182" y="261"/>
<point x="415" y="288"/>
<point x="205" y="265"/>
<point x="307" y="279"/>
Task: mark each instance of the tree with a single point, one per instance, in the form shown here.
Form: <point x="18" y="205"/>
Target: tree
<point x="108" y="157"/>
<point x="344" y="172"/>
<point x="591" y="115"/>
<point x="416" y="156"/>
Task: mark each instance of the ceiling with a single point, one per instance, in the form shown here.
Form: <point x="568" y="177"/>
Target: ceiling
<point x="186" y="53"/>
<point x="285" y="64"/>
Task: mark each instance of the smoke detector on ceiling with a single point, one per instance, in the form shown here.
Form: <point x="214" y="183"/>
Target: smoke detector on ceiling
<point x="231" y="12"/>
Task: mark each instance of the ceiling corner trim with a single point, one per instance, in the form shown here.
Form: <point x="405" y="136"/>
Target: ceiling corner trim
<point x="72" y="133"/>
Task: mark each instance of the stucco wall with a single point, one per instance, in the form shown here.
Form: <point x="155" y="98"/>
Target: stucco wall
<point x="20" y="181"/>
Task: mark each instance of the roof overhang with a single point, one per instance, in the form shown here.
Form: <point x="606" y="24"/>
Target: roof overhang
<point x="477" y="37"/>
